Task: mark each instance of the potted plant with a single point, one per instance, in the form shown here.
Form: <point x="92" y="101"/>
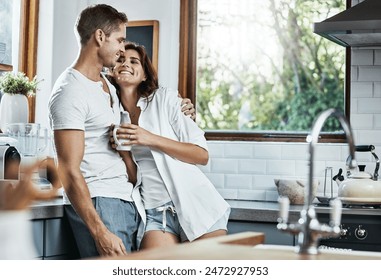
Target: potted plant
<point x="15" y="87"/>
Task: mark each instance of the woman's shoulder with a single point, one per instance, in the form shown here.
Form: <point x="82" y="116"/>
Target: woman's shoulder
<point x="166" y="94"/>
<point x="166" y="91"/>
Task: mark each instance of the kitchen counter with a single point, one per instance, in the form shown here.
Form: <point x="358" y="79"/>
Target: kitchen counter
<point x="47" y="209"/>
<point x="242" y="210"/>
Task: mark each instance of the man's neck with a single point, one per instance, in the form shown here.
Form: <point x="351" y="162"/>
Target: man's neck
<point x="88" y="65"/>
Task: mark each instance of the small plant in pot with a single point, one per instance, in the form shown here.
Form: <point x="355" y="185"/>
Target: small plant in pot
<point x="14" y="108"/>
<point x="18" y="83"/>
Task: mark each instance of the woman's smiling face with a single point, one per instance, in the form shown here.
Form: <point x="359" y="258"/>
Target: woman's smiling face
<point x="129" y="69"/>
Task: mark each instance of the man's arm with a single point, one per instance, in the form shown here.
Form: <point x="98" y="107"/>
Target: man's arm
<point x="70" y="150"/>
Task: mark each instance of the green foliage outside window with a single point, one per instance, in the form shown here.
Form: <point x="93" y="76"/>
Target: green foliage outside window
<point x="286" y="93"/>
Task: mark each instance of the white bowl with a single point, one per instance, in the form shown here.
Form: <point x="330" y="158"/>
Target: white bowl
<point x="294" y="189"/>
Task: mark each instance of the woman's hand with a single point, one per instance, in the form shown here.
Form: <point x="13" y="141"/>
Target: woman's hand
<point x="187" y="108"/>
<point x="135" y="134"/>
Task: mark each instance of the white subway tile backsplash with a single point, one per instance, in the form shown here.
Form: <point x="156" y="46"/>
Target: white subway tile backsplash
<point x="377" y="57"/>
<point x="354" y="73"/>
<point x="238" y="150"/>
<point x="369" y="73"/>
<point x="216" y="150"/>
<point x="222" y="165"/>
<point x="362" y="121"/>
<point x="301" y="168"/>
<point x="270" y="151"/>
<point x="264" y="182"/>
<point x="295" y="151"/>
<point x="238" y="181"/>
<point x="369" y="105"/>
<point x="272" y="196"/>
<point x="228" y="193"/>
<point x="354" y="106"/>
<point x="362" y="89"/>
<point x="251" y="166"/>
<point x="369" y="136"/>
<point x="281" y="167"/>
<point x="327" y="152"/>
<point x="377" y="89"/>
<point x="252" y="195"/>
<point x="377" y="121"/>
<point x="362" y="57"/>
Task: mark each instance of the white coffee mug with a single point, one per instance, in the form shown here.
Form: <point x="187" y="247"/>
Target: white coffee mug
<point x="121" y="143"/>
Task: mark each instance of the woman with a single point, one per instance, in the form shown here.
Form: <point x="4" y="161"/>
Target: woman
<point x="181" y="203"/>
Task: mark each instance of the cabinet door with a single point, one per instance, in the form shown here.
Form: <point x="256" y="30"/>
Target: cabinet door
<point x="59" y="241"/>
<point x="38" y="236"/>
<point x="54" y="241"/>
<point x="272" y="234"/>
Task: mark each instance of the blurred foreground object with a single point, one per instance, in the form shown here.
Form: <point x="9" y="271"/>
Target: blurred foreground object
<point x="16" y="237"/>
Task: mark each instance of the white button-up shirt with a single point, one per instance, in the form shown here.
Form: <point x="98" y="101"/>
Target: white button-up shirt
<point x="198" y="204"/>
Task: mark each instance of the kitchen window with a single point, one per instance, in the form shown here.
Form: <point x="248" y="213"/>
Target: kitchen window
<point x="256" y="71"/>
<point x="18" y="40"/>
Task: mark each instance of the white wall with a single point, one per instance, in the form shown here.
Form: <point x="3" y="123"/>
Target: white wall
<point x="239" y="170"/>
<point x="57" y="45"/>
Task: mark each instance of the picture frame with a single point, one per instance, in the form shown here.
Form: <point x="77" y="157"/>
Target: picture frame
<point x="146" y="33"/>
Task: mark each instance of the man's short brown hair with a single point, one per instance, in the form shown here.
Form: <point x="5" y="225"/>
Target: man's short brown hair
<point x="99" y="16"/>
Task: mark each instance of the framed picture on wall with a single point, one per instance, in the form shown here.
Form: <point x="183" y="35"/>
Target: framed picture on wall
<point x="146" y="33"/>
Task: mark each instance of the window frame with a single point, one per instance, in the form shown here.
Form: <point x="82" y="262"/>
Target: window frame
<point x="188" y="76"/>
<point x="27" y="57"/>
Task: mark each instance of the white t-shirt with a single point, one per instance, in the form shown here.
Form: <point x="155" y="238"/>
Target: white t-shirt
<point x="153" y="190"/>
<point x="79" y="103"/>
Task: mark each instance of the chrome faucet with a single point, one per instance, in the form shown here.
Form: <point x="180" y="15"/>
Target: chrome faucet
<point x="308" y="228"/>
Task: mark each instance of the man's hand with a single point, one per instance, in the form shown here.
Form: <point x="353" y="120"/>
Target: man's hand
<point x="110" y="245"/>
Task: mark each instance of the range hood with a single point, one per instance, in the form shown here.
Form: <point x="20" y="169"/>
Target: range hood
<point x="358" y="26"/>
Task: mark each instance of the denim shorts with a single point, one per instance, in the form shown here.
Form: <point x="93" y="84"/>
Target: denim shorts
<point x="119" y="216"/>
<point x="170" y="222"/>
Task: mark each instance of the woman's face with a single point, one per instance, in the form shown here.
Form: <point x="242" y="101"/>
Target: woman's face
<point x="129" y="70"/>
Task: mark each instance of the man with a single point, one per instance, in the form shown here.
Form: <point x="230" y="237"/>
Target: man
<point x="101" y="204"/>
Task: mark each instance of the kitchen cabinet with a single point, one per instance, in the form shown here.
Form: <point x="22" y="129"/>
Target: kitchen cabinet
<point x="38" y="236"/>
<point x="53" y="239"/>
<point x="272" y="234"/>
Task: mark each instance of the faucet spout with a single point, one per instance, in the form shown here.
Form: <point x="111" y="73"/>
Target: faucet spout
<point x="308" y="228"/>
<point x="313" y="140"/>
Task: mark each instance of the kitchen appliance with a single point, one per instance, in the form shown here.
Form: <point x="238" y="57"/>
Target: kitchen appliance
<point x="357" y="232"/>
<point x="358" y="26"/>
<point x="9" y="162"/>
<point x="31" y="146"/>
<point x="361" y="187"/>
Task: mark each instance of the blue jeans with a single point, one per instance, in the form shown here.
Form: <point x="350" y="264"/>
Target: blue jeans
<point x="119" y="216"/>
